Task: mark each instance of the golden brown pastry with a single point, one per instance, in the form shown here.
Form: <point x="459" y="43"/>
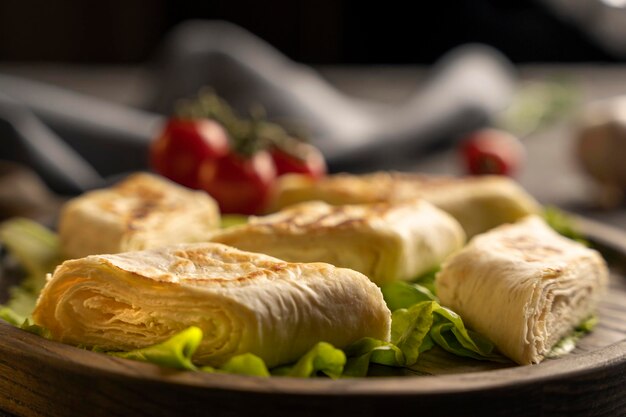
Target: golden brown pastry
<point x="523" y="286"/>
<point x="478" y="203"/>
<point x="243" y="302"/>
<point x="143" y="211"/>
<point x="384" y="241"/>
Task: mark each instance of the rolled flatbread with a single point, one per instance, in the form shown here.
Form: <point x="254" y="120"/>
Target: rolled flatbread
<point x="243" y="302"/>
<point x="478" y="203"/>
<point x="143" y="211"/>
<point x="384" y="241"/>
<point x="523" y="286"/>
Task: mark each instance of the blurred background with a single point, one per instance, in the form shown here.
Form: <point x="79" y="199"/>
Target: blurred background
<point x="313" y="32"/>
<point x="548" y="61"/>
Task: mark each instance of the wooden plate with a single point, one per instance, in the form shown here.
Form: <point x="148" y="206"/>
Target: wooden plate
<point x="40" y="377"/>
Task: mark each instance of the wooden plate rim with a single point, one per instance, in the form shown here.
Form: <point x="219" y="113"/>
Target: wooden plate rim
<point x="67" y="358"/>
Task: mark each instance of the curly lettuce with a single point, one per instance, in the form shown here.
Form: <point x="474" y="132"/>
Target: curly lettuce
<point x="36" y="249"/>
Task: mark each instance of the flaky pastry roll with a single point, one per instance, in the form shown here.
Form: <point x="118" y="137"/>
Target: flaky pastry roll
<point x="384" y="241"/>
<point x="478" y="203"/>
<point x="243" y="302"/>
<point x="143" y="211"/>
<point x="523" y="286"/>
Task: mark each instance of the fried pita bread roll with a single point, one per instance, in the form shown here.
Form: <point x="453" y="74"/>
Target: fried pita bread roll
<point x="523" y="286"/>
<point x="243" y="302"/>
<point x="478" y="203"/>
<point x="141" y="212"/>
<point x="384" y="241"/>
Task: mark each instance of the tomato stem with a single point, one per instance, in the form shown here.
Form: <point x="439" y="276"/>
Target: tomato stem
<point x="247" y="136"/>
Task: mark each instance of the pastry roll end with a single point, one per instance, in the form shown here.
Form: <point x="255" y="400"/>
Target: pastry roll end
<point x="523" y="286"/>
<point x="243" y="302"/>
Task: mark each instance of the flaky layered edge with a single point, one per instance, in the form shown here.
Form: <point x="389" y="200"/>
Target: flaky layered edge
<point x="277" y="310"/>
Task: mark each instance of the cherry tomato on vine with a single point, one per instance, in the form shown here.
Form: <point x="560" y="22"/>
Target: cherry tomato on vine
<point x="492" y="151"/>
<point x="302" y="158"/>
<point x="183" y="145"/>
<point x="240" y="184"/>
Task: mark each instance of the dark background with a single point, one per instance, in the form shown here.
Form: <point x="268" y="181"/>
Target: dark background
<point x="310" y="31"/>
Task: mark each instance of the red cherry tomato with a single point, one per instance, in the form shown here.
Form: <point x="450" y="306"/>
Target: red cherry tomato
<point x="302" y="159"/>
<point x="492" y="151"/>
<point x="184" y="143"/>
<point x="242" y="185"/>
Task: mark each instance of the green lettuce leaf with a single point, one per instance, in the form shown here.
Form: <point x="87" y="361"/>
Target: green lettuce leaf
<point x="323" y="357"/>
<point x="368" y="350"/>
<point x="563" y="224"/>
<point x="22" y="301"/>
<point x="178" y="350"/>
<point x="537" y="104"/>
<point x="9" y="315"/>
<point x="449" y="332"/>
<point x="229" y="220"/>
<point x="419" y="322"/>
<point x="31" y="327"/>
<point x="568" y="343"/>
<point x="35" y="247"/>
<point x="37" y="250"/>
<point x="428" y="280"/>
<point x="24" y="323"/>
<point x="244" y="364"/>
<point x="410" y="327"/>
<point x="175" y="352"/>
<point x="404" y="294"/>
<point x="415" y="330"/>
